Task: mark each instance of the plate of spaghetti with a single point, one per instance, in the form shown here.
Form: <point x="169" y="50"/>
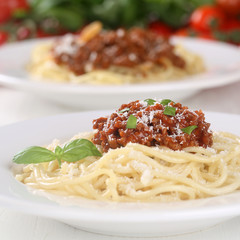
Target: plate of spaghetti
<point x="152" y="167"/>
<point x="116" y="64"/>
<point x="103" y="57"/>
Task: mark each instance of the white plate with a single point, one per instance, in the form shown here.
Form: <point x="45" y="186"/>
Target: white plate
<point x="128" y="219"/>
<point x="222" y="61"/>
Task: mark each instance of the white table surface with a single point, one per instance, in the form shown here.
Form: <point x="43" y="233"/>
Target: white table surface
<point x="16" y="106"/>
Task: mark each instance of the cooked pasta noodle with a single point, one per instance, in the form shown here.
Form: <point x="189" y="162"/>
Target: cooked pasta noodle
<point x="140" y="173"/>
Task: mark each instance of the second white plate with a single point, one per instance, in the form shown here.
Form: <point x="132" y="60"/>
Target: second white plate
<point x="222" y="62"/>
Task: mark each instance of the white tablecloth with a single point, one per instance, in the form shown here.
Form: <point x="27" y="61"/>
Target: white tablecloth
<point x="16" y="106"/>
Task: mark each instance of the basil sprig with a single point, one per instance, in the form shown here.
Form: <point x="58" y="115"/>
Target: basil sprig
<point x="150" y="101"/>
<point x="170" y="111"/>
<point x="71" y="152"/>
<point x="131" y="122"/>
<point x="189" y="129"/>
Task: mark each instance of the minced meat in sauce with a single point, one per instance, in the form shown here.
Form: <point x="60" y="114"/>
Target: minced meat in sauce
<point x="124" y="48"/>
<point x="153" y="127"/>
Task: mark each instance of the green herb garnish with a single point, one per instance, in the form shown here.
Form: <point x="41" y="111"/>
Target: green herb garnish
<point x="131" y="122"/>
<point x="71" y="152"/>
<point x="150" y="101"/>
<point x="189" y="129"/>
<point x="170" y="111"/>
<point x="124" y="110"/>
<point x="165" y="102"/>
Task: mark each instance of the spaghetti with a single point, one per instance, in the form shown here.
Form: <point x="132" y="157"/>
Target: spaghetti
<point x="112" y="57"/>
<point x="141" y="173"/>
<point x="150" y="150"/>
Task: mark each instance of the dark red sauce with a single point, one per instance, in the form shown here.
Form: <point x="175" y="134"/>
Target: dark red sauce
<point x="153" y="128"/>
<point x="124" y="48"/>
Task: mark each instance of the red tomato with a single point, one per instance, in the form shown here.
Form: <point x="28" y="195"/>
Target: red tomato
<point x="231" y="7"/>
<point x="231" y="24"/>
<point x="3" y="37"/>
<point x="207" y="18"/>
<point x="5" y="11"/>
<point x="7" y="7"/>
<point x="160" y="28"/>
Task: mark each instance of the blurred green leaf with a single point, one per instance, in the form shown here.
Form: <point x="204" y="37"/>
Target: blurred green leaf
<point x="72" y="14"/>
<point x="118" y="12"/>
<point x="234" y="36"/>
<point x="69" y="13"/>
<point x="68" y="18"/>
<point x="45" y="5"/>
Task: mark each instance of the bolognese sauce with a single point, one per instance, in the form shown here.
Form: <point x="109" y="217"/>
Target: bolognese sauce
<point x="154" y="123"/>
<point x="122" y="48"/>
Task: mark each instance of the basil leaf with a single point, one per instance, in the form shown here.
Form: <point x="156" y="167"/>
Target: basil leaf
<point x="166" y="101"/>
<point x="34" y="155"/>
<point x="79" y="149"/>
<point x="189" y="129"/>
<point x="58" y="153"/>
<point x="170" y="111"/>
<point x="124" y="110"/>
<point x="131" y="122"/>
<point x="150" y="101"/>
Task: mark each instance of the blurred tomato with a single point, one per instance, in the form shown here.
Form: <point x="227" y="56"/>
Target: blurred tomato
<point x="231" y="7"/>
<point x="7" y="7"/>
<point x="3" y="37"/>
<point x="231" y="24"/>
<point x="207" y="18"/>
<point x="5" y="11"/>
<point x="160" y="28"/>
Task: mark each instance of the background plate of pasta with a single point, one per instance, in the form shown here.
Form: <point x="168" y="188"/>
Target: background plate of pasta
<point x="192" y="189"/>
<point x="204" y="64"/>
